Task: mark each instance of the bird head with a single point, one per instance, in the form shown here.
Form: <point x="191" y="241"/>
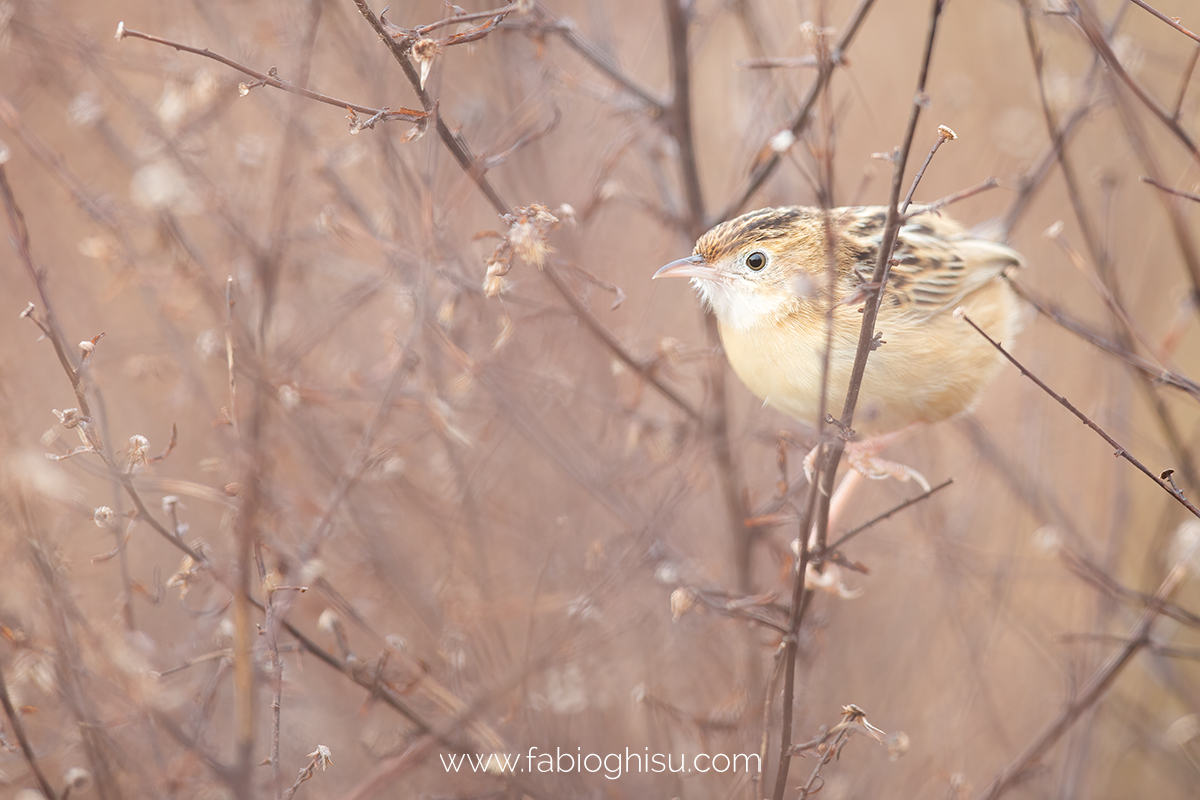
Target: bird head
<point x="756" y="269"/>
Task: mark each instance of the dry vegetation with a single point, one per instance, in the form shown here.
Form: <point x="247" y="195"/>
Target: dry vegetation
<point x="449" y="481"/>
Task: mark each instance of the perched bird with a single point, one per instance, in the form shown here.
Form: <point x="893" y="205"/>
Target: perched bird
<point x="766" y="277"/>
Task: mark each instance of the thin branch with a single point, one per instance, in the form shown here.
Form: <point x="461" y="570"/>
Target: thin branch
<point x="777" y="63"/>
<point x="1184" y="80"/>
<point x="1092" y="574"/>
<point x="801" y="118"/>
<point x="1068" y="323"/>
<point x="944" y="135"/>
<point x="273" y="80"/>
<point x="1099" y="41"/>
<point x="938" y="205"/>
<point x="890" y="512"/>
<point x="679" y="113"/>
<point x="1089" y="695"/>
<point x="1172" y="21"/>
<point x="18" y="728"/>
<point x="821" y="489"/>
<point x="1170" y="189"/>
<point x="888" y="241"/>
<point x="1119" y="450"/>
<point x="569" y="32"/>
<point x="424" y="30"/>
<point x="610" y="340"/>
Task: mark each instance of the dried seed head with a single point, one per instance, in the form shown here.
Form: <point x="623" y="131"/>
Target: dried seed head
<point x="830" y="581"/>
<point x="946" y="133"/>
<point x="1185" y="545"/>
<point x="507" y="328"/>
<point x="683" y="600"/>
<point x="79" y="779"/>
<point x="566" y="213"/>
<point x="1048" y="540"/>
<point x="289" y="398"/>
<point x="85" y="110"/>
<point x="447" y="310"/>
<point x="783" y="141"/>
<point x="497" y="267"/>
<point x="528" y="229"/>
<point x="104" y="517"/>
<point x="70" y="417"/>
<point x="322" y="757"/>
<point x="424" y="51"/>
<point x="328" y="621"/>
<point x="139" y="448"/>
<point x="1184" y="730"/>
<point x="897" y="745"/>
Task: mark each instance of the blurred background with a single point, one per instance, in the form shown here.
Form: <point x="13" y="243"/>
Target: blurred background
<point x="516" y="499"/>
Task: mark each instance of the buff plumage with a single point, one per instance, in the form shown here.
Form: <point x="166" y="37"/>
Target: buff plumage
<point x="765" y="276"/>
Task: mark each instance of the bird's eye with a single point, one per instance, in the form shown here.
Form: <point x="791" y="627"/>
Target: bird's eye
<point x="756" y="261"/>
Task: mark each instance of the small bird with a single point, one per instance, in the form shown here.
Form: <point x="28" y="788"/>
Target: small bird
<point x="766" y="277"/>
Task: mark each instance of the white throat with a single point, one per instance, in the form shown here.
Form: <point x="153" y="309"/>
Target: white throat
<point x="740" y="306"/>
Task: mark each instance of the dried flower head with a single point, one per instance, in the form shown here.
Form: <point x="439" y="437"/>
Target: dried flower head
<point x="78" y="779"/>
<point x="139" y="449"/>
<point x="69" y="417"/>
<point x="783" y="141"/>
<point x="424" y="50"/>
<point x="322" y="757"/>
<point x="104" y="517"/>
<point x="683" y="600"/>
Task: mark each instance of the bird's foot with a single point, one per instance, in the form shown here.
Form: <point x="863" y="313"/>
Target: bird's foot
<point x="865" y="458"/>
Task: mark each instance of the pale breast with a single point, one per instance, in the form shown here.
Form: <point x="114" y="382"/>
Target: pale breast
<point x="927" y="369"/>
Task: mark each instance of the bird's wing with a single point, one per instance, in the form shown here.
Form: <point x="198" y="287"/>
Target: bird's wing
<point x="938" y="264"/>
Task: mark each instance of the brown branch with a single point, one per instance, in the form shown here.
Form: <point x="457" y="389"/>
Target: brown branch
<point x="871" y="523"/>
<point x="1170" y="189"/>
<point x="569" y="32"/>
<point x="458" y="148"/>
<point x="424" y="30"/>
<point x="272" y="79"/>
<point x="1172" y="21"/>
<point x="800" y="119"/>
<point x="1089" y="694"/>
<point x="1119" y="450"/>
<point x="1184" y="80"/>
<point x="821" y="489"/>
<point x="1083" y="17"/>
<point x="18" y="728"/>
<point x="1086" y="570"/>
<point x="551" y="270"/>
<point x="938" y="205"/>
<point x="679" y="113"/>
<point x="777" y="63"/>
<point x="1144" y="365"/>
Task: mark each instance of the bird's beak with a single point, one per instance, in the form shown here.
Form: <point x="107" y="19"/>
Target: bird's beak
<point x="691" y="267"/>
